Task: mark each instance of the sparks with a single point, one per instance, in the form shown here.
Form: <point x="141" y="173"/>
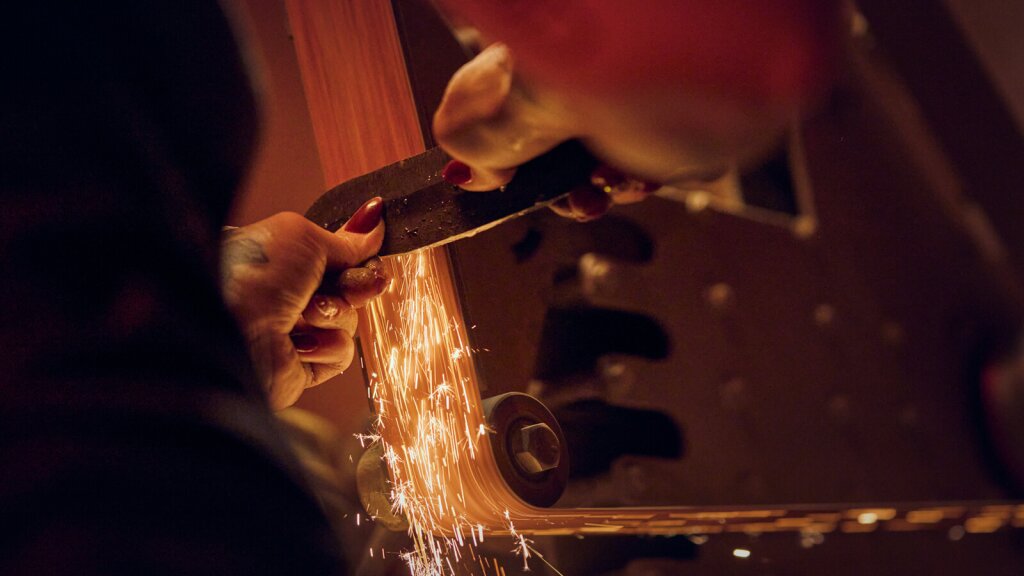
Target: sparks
<point x="419" y="365"/>
<point x="522" y="547"/>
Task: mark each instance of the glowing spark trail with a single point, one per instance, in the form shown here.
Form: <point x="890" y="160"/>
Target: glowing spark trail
<point x="419" y="366"/>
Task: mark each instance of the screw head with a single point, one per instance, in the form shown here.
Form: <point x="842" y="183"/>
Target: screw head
<point x="536" y="448"/>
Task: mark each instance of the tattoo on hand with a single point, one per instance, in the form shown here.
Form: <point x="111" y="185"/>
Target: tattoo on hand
<point x="238" y="249"/>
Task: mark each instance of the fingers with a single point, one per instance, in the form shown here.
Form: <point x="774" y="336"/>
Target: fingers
<point x="306" y="358"/>
<point x="479" y="179"/>
<point x="315" y="346"/>
<point x="324" y="354"/>
<point x="294" y="287"/>
<point x="587" y="203"/>
<point x="321" y="346"/>
<point x="359" y="285"/>
<point x="347" y="284"/>
<point x="620" y="187"/>
<point x="358" y="240"/>
<point x="490" y="123"/>
<point x="582" y="204"/>
<point x="607" y="186"/>
<point x="345" y="291"/>
<point x="330" y="313"/>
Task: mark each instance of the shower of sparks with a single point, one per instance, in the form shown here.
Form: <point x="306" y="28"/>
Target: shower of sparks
<point x="419" y="366"/>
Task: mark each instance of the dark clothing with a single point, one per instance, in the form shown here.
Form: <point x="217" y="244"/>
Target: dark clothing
<point x="133" y="437"/>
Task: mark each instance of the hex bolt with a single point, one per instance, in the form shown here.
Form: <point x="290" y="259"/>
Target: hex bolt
<point x="536" y="448"/>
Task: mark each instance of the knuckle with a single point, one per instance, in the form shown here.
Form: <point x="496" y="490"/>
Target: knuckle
<point x="348" y="322"/>
<point x="296" y="227"/>
<point x="290" y="220"/>
<point x="326" y="307"/>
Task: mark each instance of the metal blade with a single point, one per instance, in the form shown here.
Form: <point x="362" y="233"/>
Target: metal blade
<point x="422" y="210"/>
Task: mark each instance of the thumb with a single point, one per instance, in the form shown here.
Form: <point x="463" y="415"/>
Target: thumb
<point x="359" y="239"/>
<point x="490" y="122"/>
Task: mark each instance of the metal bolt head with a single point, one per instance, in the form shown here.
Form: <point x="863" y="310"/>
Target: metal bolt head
<point x="536" y="448"/>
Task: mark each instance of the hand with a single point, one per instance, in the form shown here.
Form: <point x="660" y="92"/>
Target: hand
<point x="670" y="91"/>
<point x="488" y="120"/>
<point x="491" y="122"/>
<point x="294" y="289"/>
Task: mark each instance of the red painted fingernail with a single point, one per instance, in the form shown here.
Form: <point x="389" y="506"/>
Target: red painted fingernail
<point x="588" y="203"/>
<point x="304" y="342"/>
<point x="457" y="173"/>
<point x="367" y="217"/>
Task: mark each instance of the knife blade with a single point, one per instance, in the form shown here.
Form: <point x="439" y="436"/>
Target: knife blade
<point x="421" y="210"/>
